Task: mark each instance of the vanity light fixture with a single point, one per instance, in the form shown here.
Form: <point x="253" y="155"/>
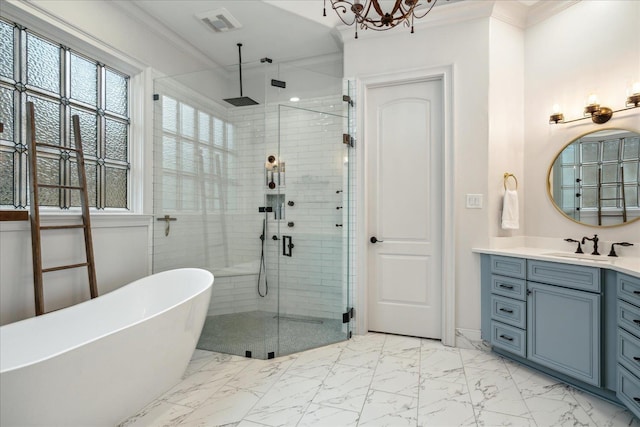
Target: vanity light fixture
<point x="598" y="113"/>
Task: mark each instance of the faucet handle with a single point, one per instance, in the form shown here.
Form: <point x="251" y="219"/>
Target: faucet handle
<point x="612" y="252"/>
<point x="579" y="249"/>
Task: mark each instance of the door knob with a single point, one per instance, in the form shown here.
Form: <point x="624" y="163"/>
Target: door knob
<point x="374" y="239"/>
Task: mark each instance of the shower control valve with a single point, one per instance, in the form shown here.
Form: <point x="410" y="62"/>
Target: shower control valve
<point x="275" y="237"/>
<point x="290" y="203"/>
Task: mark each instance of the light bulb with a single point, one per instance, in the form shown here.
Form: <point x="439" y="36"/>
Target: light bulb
<point x="556" y="108"/>
<point x="593" y="99"/>
<point x="635" y="88"/>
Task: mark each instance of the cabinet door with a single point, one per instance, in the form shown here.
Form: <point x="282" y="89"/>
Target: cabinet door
<point x="563" y="331"/>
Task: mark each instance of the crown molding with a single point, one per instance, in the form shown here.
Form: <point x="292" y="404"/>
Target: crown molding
<point x="57" y="28"/>
<point x="544" y="10"/>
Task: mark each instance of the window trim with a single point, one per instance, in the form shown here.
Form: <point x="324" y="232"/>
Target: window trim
<point x="140" y="81"/>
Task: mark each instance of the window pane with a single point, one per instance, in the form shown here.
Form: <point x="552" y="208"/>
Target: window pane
<point x="188" y="159"/>
<point x="589" y="175"/>
<point x="568" y="155"/>
<point x="609" y="173"/>
<point x="84" y="80"/>
<point x="88" y="131"/>
<point x="169" y="153"/>
<point x="609" y="193"/>
<point x="90" y="172"/>
<point x="568" y="199"/>
<point x="169" y="111"/>
<point x="203" y="126"/>
<point x="630" y="172"/>
<point x="568" y="175"/>
<point x="116" y="194"/>
<point x="590" y="152"/>
<point x="6" y="50"/>
<point x="116" y="93"/>
<point x="205" y="153"/>
<point x="218" y="132"/>
<point x="231" y="143"/>
<point x="631" y="148"/>
<point x="116" y="140"/>
<point x="47" y="120"/>
<point x="187" y="121"/>
<point x="588" y="198"/>
<point x="631" y="196"/>
<point x="43" y="64"/>
<point x="6" y="178"/>
<point x="48" y="173"/>
<point x="610" y="150"/>
<point x="6" y="113"/>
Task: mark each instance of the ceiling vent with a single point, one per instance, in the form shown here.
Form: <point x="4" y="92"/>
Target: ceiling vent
<point x="219" y="20"/>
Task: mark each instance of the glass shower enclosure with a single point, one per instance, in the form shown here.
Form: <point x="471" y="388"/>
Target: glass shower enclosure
<point x="260" y="196"/>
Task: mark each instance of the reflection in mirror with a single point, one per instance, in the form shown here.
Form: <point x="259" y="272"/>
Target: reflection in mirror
<point x="594" y="179"/>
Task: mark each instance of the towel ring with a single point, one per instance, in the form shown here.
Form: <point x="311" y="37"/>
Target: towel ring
<point x="508" y="175"/>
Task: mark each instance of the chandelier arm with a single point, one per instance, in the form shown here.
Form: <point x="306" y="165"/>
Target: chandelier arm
<point x="341" y="9"/>
<point x="427" y="11"/>
<point x="376" y="6"/>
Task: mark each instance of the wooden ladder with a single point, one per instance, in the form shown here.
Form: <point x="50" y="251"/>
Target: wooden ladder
<point x="36" y="228"/>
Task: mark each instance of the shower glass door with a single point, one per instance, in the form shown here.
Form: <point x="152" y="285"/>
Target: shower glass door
<point x="259" y="196"/>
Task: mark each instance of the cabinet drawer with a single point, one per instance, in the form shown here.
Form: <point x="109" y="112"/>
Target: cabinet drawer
<point x="509" y="266"/>
<point x="629" y="288"/>
<point x="629" y="351"/>
<point x="510" y="311"/>
<point x="509" y="338"/>
<point x="508" y="287"/>
<point x="567" y="275"/>
<point x="629" y="390"/>
<point x="629" y="317"/>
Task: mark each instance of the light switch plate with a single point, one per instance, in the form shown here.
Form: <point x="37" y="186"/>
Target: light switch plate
<point x="474" y="201"/>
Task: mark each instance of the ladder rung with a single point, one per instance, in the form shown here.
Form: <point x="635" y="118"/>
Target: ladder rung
<point x="613" y="198"/>
<point x="61" y="227"/>
<point x="59" y="147"/>
<point x="64" y="267"/>
<point x="66" y="187"/>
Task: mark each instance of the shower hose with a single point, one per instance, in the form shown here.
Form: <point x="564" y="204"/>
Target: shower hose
<point x="263" y="266"/>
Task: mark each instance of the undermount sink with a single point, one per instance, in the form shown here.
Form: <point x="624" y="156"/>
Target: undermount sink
<point x="585" y="257"/>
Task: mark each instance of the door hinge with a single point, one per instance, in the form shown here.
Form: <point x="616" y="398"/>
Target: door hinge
<point x="347" y="98"/>
<point x="346" y="317"/>
<point x="348" y="140"/>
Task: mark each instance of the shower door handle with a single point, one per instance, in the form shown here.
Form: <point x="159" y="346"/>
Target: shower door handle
<point x="374" y="239"/>
<point x="287" y="246"/>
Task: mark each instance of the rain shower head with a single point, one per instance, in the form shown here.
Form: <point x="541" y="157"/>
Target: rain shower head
<point x="241" y="101"/>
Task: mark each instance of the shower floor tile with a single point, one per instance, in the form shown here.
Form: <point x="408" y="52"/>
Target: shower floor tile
<point x="484" y="390"/>
<point x="262" y="332"/>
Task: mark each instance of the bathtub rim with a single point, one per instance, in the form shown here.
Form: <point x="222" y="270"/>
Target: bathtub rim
<point x="63" y="312"/>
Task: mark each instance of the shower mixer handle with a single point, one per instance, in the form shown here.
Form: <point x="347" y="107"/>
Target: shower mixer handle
<point x="374" y="239"/>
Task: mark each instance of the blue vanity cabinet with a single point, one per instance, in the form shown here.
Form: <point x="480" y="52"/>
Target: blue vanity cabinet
<point x="504" y="301"/>
<point x="564" y="318"/>
<point x="628" y="315"/>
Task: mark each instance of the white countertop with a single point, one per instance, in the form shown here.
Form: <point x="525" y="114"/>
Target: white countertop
<point x="624" y="264"/>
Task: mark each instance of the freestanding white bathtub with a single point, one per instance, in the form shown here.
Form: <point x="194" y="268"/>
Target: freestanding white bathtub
<point x="99" y="362"/>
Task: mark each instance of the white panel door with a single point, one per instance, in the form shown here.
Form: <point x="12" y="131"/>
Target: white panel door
<point x="404" y="181"/>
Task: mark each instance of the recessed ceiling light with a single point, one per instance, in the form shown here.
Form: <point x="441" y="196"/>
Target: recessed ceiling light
<point x="294" y="99"/>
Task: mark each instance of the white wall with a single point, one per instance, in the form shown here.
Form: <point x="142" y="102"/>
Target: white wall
<point x="465" y="46"/>
<point x="593" y="46"/>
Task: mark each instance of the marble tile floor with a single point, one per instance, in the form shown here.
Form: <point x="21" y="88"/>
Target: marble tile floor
<point x="374" y="380"/>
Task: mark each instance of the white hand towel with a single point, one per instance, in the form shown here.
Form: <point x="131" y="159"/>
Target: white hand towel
<point x="510" y="210"/>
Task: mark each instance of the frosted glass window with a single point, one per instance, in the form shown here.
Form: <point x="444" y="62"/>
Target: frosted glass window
<point x="84" y="80"/>
<point x="6" y="112"/>
<point x="194" y="149"/>
<point x="590" y="152"/>
<point x="43" y="64"/>
<point x="631" y="148"/>
<point x="116" y="92"/>
<point x="6" y="50"/>
<point x="61" y="84"/>
<point x="610" y="150"/>
<point x="116" y="140"/>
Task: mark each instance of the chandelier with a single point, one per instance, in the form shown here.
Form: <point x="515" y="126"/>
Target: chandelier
<point x="358" y="12"/>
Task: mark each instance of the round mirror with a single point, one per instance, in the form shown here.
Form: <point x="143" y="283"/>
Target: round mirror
<point x="594" y="179"/>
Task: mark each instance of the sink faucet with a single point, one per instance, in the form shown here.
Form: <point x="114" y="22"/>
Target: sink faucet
<point x="579" y="249"/>
<point x="594" y="239"/>
<point x="612" y="252"/>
